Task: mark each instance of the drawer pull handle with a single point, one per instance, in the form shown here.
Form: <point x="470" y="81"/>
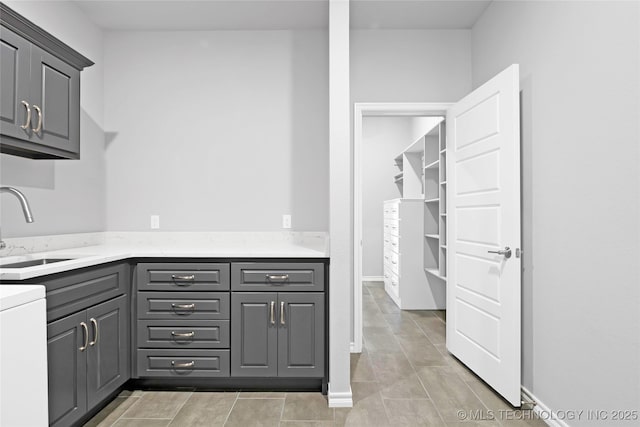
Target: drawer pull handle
<point x="272" y="314"/>
<point x="393" y="262"/>
<point x="27" y="122"/>
<point x="282" y="312"/>
<point x="95" y="332"/>
<point x="187" y="277"/>
<point x="281" y="277"/>
<point x="85" y="330"/>
<point x="38" y="128"/>
<point x="183" y="334"/>
<point x="183" y="365"/>
<point x="184" y="306"/>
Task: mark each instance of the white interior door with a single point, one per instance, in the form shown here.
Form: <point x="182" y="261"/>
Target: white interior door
<point x="483" y="287"/>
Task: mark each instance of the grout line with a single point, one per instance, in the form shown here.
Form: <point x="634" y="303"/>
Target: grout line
<point x="124" y="412"/>
<point x="282" y="410"/>
<point x="231" y="409"/>
<point x="183" y="403"/>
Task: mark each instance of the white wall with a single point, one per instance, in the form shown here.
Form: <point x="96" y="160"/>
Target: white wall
<point x="66" y="196"/>
<point x="383" y="138"/>
<point x="580" y="83"/>
<point x="410" y="65"/>
<point x="220" y="131"/>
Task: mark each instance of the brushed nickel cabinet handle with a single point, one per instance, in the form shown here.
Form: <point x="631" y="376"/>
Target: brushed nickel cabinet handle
<point x="183" y="334"/>
<point x="282" y="312"/>
<point x="86" y="336"/>
<point x="95" y="332"/>
<point x="277" y="277"/>
<point x="185" y="277"/>
<point x="272" y="315"/>
<point x="39" y="127"/>
<point x="183" y="365"/>
<point x="27" y="122"/>
<point x="184" y="306"/>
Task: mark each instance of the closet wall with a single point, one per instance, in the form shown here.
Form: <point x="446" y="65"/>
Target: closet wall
<point x="579" y="68"/>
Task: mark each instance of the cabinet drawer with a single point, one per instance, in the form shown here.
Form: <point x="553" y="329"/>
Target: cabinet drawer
<point x="183" y="305"/>
<point x="392" y="227"/>
<point x="183" y="363"/>
<point x="270" y="276"/>
<point x="183" y="333"/>
<point x="392" y="242"/>
<point x="77" y="291"/>
<point x="392" y="210"/>
<point x="183" y="276"/>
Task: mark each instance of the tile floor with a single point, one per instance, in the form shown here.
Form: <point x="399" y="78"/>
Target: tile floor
<point x="403" y="377"/>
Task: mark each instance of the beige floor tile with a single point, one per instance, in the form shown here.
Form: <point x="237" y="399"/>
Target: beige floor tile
<point x="367" y="410"/>
<point x="157" y="404"/>
<point x="110" y="413"/>
<point x="307" y="423"/>
<point x="408" y="387"/>
<point x="412" y="412"/>
<point x="205" y="409"/>
<point x="262" y="395"/>
<point x="380" y="340"/>
<point x="307" y="407"/>
<point x="402" y="325"/>
<point x="421" y="352"/>
<point x="139" y="422"/>
<point x="389" y="367"/>
<point x="448" y="392"/>
<point x="255" y="412"/>
<point x="433" y="327"/>
<point x="361" y="368"/>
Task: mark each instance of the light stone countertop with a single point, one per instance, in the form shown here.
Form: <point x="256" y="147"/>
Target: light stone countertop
<point x="119" y="246"/>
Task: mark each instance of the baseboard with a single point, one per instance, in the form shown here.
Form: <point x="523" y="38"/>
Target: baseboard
<point x="542" y="411"/>
<point x="373" y="278"/>
<point x="340" y="399"/>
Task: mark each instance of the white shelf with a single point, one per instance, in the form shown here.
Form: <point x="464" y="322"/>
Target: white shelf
<point x="432" y="236"/>
<point x="443" y="214"/>
<point x="432" y="165"/>
<point x="432" y="200"/>
<point x="443" y="183"/>
<point x="434" y="272"/>
<point x="443" y="151"/>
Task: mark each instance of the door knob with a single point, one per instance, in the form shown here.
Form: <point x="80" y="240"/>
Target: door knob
<point x="506" y="252"/>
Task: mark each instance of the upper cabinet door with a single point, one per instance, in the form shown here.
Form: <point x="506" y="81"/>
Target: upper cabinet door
<point x="55" y="98"/>
<point x="14" y="85"/>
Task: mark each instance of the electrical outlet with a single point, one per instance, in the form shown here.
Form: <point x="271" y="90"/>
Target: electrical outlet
<point x="155" y="222"/>
<point x="286" y="221"/>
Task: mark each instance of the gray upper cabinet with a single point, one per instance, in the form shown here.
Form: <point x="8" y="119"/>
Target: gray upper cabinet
<point x="40" y="84"/>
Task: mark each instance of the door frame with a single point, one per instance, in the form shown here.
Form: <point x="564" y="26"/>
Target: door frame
<point x="374" y="109"/>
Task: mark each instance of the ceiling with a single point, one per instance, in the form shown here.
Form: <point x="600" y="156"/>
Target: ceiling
<point x="163" y="15"/>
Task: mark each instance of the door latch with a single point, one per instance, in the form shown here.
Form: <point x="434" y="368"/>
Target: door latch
<point x="506" y="252"/>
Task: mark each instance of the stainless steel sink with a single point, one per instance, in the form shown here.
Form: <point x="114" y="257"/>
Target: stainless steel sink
<point x="33" y="262"/>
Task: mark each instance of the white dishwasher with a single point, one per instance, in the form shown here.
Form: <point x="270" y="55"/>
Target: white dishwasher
<point x="23" y="356"/>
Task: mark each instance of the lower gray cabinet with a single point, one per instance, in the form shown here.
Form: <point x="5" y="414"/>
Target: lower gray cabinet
<point x="88" y="359"/>
<point x="277" y="334"/>
<point x="67" y="370"/>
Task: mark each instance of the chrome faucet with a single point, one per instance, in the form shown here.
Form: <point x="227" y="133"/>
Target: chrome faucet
<point x="28" y="216"/>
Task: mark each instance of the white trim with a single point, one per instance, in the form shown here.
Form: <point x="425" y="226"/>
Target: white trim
<point x="340" y="400"/>
<point x="370" y="109"/>
<point x="373" y="278"/>
<point x="542" y="410"/>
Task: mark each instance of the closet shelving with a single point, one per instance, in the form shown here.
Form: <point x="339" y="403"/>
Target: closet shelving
<point x="435" y="215"/>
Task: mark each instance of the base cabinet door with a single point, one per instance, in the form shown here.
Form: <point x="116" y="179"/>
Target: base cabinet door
<point x="254" y="334"/>
<point x="67" y="355"/>
<point x="301" y="334"/>
<point x="108" y="351"/>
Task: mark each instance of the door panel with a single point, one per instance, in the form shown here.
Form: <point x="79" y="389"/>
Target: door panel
<point x="254" y="334"/>
<point x="108" y="358"/>
<point x="67" y="370"/>
<point x="300" y="334"/>
<point x="483" y="289"/>
<point x="55" y="88"/>
<point x="14" y="76"/>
